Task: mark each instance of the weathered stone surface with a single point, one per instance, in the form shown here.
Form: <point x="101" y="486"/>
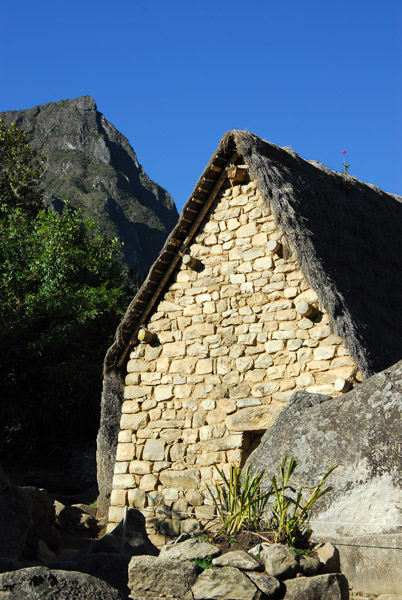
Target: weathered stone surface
<point x="154" y="450"/>
<point x="225" y="583"/>
<point x="252" y="418"/>
<point x="349" y="428"/>
<point x="280" y="561"/>
<point x="189" y="549"/>
<point x="185" y="480"/>
<point x="360" y="431"/>
<point x="269" y="585"/>
<point x="40" y="582"/>
<point x="161" y="577"/>
<point x="326" y="587"/>
<point x="111" y="401"/>
<point x="238" y="559"/>
<point x="328" y="555"/>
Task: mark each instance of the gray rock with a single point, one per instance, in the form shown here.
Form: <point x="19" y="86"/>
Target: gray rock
<point x="75" y="519"/>
<point x="238" y="559"/>
<point x="43" y="524"/>
<point x="15" y="518"/>
<point x="267" y="584"/>
<point x="48" y="584"/>
<point x="328" y="555"/>
<point x="257" y="550"/>
<point x="309" y="565"/>
<point x="224" y="583"/>
<point x="332" y="586"/>
<point x="358" y="431"/>
<point x="190" y="549"/>
<point x="150" y="577"/>
<point x="111" y="402"/>
<point x="280" y="561"/>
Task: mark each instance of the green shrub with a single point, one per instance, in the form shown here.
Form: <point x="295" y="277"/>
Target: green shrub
<point x="239" y="500"/>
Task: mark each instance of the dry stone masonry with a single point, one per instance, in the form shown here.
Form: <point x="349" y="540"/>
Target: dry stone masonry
<point x="229" y="347"/>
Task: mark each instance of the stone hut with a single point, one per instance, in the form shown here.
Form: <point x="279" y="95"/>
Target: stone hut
<point x="280" y="275"/>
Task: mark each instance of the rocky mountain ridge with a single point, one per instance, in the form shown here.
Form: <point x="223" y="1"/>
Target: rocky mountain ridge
<point x="92" y="165"/>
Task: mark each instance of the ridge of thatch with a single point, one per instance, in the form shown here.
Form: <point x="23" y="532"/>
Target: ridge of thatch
<point x="345" y="234"/>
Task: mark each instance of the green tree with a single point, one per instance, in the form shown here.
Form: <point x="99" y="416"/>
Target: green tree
<point x="61" y="298"/>
<point x="20" y="170"/>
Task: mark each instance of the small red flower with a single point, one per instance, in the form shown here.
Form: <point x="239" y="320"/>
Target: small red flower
<point x="343" y="151"/>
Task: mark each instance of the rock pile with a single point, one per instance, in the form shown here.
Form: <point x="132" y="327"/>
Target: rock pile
<point x="268" y="571"/>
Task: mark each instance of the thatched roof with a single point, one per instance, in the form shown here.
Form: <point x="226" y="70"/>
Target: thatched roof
<point x="346" y="236"/>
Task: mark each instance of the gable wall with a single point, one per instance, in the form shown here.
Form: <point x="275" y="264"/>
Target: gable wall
<point x="230" y="351"/>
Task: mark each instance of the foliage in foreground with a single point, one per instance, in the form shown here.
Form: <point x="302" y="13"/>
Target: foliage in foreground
<point x="60" y="299"/>
<point x="241" y="503"/>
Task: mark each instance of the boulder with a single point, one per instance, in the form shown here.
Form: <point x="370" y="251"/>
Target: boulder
<point x="280" y="561"/>
<point x="190" y="549"/>
<point x="333" y="586"/>
<point x="224" y="583"/>
<point x="111" y="402"/>
<point x="76" y="519"/>
<point x="238" y="559"/>
<point x="15" y="518"/>
<point x="150" y="577"/>
<point x="43" y="532"/>
<point x="267" y="584"/>
<point x="360" y="431"/>
<point x="47" y="584"/>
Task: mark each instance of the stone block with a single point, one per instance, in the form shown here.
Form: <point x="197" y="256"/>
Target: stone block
<point x="324" y="352"/>
<point x="133" y="421"/>
<point x="116" y="513"/>
<point x="118" y="498"/>
<point x="120" y="467"/>
<point x="247" y="230"/>
<point x="255" y="376"/>
<point x="183" y="480"/>
<point x="133" y="379"/>
<point x="198" y="330"/>
<point x="140" y="467"/>
<point x="184" y="366"/>
<point x="137" y="498"/>
<point x="274" y="346"/>
<point x="123" y="481"/>
<point x="189" y="526"/>
<point x="154" y="450"/>
<point x="229" y="442"/>
<point x="204" y="366"/>
<point x="205" y="512"/>
<point x="148" y="483"/>
<point x="136" y="365"/>
<point x="136" y="391"/>
<point x="125" y="451"/>
<point x="170" y="495"/>
<point x="130" y="406"/>
<point x="163" y="392"/>
<point x="253" y="418"/>
<point x="265" y="389"/>
<point x="194" y="498"/>
<point x="304" y="355"/>
<point x="174" y="349"/>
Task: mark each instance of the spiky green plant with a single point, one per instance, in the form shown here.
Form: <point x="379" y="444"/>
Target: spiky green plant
<point x="290" y="513"/>
<point x="239" y="501"/>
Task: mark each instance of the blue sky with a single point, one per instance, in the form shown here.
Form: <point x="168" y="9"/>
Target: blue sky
<point x="174" y="76"/>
